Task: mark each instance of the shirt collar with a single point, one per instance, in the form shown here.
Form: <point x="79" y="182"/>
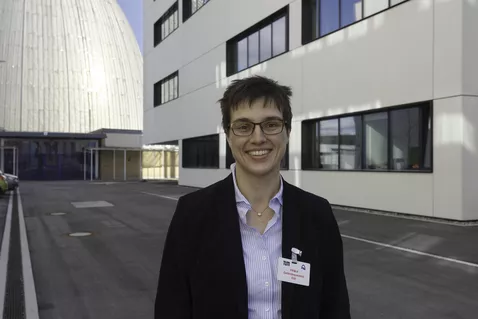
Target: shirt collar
<point x="242" y="201"/>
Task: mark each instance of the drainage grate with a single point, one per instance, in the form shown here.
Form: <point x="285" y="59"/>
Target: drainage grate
<point x="14" y="307"/>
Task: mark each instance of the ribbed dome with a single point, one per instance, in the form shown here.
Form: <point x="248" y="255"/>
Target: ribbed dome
<point x="71" y="66"/>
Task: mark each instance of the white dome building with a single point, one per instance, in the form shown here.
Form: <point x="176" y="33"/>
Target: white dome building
<point x="71" y="80"/>
<point x="70" y="67"/>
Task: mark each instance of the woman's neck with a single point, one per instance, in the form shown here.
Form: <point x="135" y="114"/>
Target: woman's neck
<point x="258" y="190"/>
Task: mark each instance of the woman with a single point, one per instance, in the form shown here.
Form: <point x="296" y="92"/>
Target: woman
<point x="252" y="245"/>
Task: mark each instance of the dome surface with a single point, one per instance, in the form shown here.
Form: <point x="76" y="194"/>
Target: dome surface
<point x="71" y="66"/>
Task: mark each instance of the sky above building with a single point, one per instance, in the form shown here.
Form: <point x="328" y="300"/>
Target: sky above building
<point x="133" y="10"/>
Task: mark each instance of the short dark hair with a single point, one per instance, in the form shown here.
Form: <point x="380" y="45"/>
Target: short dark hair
<point x="253" y="88"/>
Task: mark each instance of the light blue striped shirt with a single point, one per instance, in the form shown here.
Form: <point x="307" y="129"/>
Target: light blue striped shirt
<point x="261" y="254"/>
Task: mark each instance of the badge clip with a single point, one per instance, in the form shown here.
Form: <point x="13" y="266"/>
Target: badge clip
<point x="295" y="252"/>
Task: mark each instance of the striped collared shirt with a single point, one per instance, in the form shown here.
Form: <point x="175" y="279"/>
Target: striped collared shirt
<point x="261" y="254"/>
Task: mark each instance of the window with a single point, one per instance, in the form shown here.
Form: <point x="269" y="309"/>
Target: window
<point x="166" y="90"/>
<point x="261" y="42"/>
<point x="322" y="17"/>
<point x="284" y="164"/>
<point x="191" y="6"/>
<point x="166" y="24"/>
<point x="201" y="152"/>
<point x="389" y="140"/>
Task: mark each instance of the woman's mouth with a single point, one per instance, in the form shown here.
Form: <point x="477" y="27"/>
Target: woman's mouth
<point x="258" y="153"/>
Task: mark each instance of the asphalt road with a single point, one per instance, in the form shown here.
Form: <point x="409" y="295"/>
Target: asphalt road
<point x="112" y="274"/>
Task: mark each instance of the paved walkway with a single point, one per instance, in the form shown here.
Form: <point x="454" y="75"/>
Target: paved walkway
<point x="396" y="268"/>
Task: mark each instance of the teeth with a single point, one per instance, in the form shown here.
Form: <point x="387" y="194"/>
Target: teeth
<point x="259" y="153"/>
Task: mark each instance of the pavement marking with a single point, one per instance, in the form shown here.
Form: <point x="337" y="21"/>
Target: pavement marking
<point x="162" y="196"/>
<point x="94" y="204"/>
<point x="408" y="250"/>
<point x="31" y="304"/>
<point x="5" y="251"/>
<point x="80" y="234"/>
<point x="57" y="214"/>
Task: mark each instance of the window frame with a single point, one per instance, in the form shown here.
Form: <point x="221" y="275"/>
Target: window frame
<point x="192" y="139"/>
<point x="306" y="145"/>
<point x="306" y="19"/>
<point x="173" y="75"/>
<point x="158" y="25"/>
<point x="187" y="8"/>
<point x="231" y="44"/>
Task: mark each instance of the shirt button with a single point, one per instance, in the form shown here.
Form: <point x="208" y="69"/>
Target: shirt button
<point x="267" y="284"/>
<point x="264" y="258"/>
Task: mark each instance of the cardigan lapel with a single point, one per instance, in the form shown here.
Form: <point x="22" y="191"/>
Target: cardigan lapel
<point x="290" y="239"/>
<point x="228" y="219"/>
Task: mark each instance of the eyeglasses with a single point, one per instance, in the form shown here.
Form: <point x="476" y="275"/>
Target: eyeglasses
<point x="269" y="127"/>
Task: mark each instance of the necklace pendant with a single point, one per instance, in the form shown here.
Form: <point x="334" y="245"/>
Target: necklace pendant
<point x="259" y="214"/>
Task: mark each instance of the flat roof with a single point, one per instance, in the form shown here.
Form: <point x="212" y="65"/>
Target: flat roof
<point x="117" y="131"/>
<point x="83" y="136"/>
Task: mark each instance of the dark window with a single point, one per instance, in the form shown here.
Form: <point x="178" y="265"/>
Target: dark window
<point x="391" y="140"/>
<point x="350" y="12"/>
<point x="322" y="17"/>
<point x="191" y="6"/>
<point x="329" y="16"/>
<point x="261" y="42"/>
<point x="350" y="142"/>
<point x="329" y="143"/>
<point x="409" y="129"/>
<point x="201" y="152"/>
<point x="376" y="140"/>
<point x="166" y="90"/>
<point x="168" y="22"/>
<point x="284" y="164"/>
<point x="265" y="35"/>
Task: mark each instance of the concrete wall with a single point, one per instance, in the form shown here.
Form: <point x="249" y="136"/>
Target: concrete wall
<point x="123" y="140"/>
<point x="419" y="50"/>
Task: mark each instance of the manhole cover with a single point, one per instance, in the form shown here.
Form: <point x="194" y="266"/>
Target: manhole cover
<point x="57" y="214"/>
<point x="80" y="234"/>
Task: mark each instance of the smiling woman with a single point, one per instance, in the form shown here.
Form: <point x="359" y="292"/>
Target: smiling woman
<point x="252" y="221"/>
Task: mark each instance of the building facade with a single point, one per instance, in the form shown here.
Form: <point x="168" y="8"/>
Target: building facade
<point x="67" y="69"/>
<point x="385" y="98"/>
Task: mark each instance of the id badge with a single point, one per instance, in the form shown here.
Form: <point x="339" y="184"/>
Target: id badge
<point x="294" y="272"/>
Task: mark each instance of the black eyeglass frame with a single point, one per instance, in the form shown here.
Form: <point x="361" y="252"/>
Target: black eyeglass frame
<point x="284" y="123"/>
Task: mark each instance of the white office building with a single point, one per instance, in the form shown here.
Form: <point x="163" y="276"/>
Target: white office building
<point x="385" y="98"/>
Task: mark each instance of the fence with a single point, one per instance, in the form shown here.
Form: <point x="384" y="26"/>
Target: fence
<point x="130" y="164"/>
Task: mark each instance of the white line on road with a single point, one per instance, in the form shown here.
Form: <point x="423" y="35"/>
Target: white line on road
<point x="31" y="305"/>
<point x="413" y="251"/>
<point x="162" y="196"/>
<point x="5" y="252"/>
